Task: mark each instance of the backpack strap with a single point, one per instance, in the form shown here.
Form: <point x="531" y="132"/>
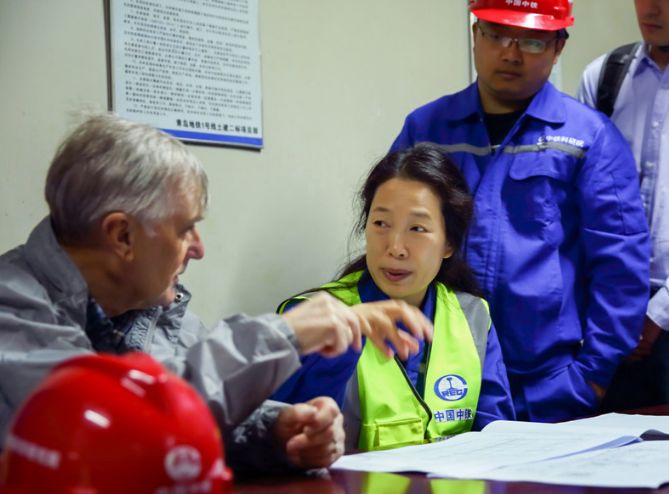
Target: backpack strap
<point x="611" y="77"/>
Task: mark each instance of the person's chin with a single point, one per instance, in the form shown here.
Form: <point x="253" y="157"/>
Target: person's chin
<point x="167" y="297"/>
<point x="393" y="290"/>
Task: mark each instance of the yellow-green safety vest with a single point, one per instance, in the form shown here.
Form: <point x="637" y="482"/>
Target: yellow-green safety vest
<point x="390" y="483"/>
<point x="390" y="412"/>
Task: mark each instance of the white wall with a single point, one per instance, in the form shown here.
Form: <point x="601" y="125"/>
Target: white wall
<point x="338" y="79"/>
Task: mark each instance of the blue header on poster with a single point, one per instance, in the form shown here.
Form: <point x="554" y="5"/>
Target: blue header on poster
<point x="206" y="137"/>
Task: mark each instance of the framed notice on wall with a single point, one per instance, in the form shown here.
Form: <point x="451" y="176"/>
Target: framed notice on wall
<point x="188" y="67"/>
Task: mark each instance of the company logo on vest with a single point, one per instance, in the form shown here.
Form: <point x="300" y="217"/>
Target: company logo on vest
<point x="450" y="387"/>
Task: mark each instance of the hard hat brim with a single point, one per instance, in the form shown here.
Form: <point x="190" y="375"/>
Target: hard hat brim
<point x="523" y="19"/>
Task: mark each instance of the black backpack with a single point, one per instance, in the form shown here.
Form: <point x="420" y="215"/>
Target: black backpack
<point x="612" y="75"/>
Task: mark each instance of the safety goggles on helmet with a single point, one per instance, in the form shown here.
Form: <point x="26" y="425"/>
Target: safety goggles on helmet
<point x="102" y="424"/>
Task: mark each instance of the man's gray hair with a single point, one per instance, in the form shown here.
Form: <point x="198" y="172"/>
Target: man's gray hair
<point x="109" y="164"/>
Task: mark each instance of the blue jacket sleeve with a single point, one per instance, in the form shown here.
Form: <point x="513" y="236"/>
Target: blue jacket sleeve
<point x="615" y="248"/>
<point x="319" y="376"/>
<point x="495" y="401"/>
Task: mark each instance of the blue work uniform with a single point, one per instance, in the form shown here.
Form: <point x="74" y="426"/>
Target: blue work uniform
<point x="321" y="376"/>
<point x="559" y="241"/>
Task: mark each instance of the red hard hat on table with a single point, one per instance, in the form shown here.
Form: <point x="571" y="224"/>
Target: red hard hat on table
<point x="545" y="15"/>
<point x="102" y="424"/>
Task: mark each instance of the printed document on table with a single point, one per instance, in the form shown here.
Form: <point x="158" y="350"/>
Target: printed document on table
<point x="642" y="464"/>
<point x="472" y="454"/>
<point x="651" y="426"/>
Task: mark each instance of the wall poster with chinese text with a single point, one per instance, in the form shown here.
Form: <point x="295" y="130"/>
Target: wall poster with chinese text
<point x="188" y="67"/>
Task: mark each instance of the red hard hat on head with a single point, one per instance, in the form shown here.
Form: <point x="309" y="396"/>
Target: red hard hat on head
<point x="546" y="15"/>
<point x="104" y="424"/>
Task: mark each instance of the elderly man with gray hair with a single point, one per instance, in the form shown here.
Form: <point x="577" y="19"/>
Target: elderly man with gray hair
<point x="100" y="274"/>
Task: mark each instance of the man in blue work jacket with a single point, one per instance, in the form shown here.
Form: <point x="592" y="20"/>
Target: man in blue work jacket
<point x="559" y="241"/>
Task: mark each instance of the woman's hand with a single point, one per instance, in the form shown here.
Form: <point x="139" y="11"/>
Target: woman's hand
<point x="378" y="322"/>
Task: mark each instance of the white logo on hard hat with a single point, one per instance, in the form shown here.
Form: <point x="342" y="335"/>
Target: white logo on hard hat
<point x="183" y="463"/>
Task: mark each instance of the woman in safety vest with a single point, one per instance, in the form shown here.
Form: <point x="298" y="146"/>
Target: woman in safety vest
<point x="416" y="209"/>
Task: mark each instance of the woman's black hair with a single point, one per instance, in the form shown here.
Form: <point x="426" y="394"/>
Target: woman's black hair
<point x="428" y="164"/>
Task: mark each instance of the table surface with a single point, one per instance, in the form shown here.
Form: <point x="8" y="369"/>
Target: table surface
<point x="340" y="481"/>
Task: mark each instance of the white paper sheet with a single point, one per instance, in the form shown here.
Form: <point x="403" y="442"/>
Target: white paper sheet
<point x="644" y="464"/>
<point x="474" y="453"/>
<point x="637" y="425"/>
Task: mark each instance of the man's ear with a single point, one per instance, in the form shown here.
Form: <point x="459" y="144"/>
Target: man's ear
<point x="559" y="46"/>
<point x="119" y="234"/>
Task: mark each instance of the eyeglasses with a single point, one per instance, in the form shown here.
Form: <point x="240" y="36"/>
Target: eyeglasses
<point x="527" y="45"/>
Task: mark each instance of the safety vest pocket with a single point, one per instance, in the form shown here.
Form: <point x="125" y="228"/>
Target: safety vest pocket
<point x="393" y="433"/>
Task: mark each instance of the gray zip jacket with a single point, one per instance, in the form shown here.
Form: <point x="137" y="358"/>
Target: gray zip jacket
<point x="234" y="366"/>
